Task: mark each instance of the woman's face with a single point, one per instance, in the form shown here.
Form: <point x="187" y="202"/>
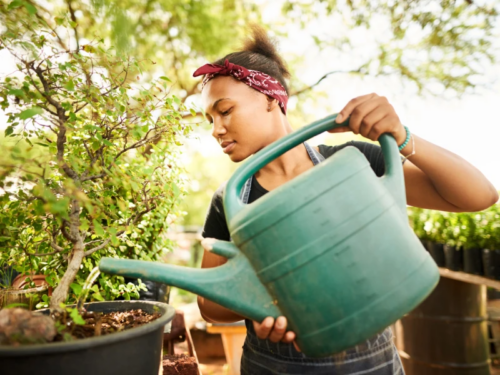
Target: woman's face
<point x="241" y="122"/>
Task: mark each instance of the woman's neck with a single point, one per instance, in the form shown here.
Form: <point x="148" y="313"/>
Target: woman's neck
<point x="287" y="166"/>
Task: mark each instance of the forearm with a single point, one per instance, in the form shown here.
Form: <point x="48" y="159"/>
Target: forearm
<point x="214" y="313"/>
<point x="211" y="311"/>
<point x="455" y="180"/>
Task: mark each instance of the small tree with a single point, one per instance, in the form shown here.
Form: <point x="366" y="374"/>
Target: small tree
<point x="88" y="165"/>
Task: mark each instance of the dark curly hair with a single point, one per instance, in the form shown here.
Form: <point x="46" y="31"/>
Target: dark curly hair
<point x="260" y="53"/>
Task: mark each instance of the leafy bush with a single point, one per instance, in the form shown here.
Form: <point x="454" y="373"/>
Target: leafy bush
<point x="88" y="164"/>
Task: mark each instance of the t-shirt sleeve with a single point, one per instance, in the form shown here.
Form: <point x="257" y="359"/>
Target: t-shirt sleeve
<point x="373" y="154"/>
<point x="215" y="222"/>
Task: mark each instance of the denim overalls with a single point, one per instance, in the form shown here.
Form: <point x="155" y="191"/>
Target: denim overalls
<point x="375" y="356"/>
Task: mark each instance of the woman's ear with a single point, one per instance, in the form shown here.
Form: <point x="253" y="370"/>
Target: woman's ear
<point x="271" y="104"/>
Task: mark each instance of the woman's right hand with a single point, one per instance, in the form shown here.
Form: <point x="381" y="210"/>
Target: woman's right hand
<point x="275" y="331"/>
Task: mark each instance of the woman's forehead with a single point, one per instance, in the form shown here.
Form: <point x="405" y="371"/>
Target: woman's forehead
<point x="224" y="87"/>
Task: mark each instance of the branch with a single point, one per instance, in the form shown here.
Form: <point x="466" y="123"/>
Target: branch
<point x="57" y="249"/>
<point x="65" y="232"/>
<point x="73" y="18"/>
<point x="94" y="177"/>
<point x="101" y="246"/>
<point x="322" y="78"/>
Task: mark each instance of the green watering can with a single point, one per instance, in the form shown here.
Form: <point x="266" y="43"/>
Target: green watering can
<point x="331" y="250"/>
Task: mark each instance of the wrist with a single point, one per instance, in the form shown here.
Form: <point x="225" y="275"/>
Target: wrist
<point x="400" y="136"/>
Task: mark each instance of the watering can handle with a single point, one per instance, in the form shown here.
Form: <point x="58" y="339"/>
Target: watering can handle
<point x="393" y="177"/>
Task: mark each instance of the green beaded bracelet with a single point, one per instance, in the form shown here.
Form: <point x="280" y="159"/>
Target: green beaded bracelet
<point x="408" y="135"/>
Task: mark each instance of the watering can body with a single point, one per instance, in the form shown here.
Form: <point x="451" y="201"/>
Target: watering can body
<point x="331" y="250"/>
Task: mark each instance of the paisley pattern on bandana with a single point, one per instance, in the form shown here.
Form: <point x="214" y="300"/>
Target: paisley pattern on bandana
<point x="259" y="81"/>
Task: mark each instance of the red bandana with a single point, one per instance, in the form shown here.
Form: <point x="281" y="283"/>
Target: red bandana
<point x="259" y="81"/>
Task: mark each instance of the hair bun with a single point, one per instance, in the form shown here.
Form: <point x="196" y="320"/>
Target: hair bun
<point x="260" y="43"/>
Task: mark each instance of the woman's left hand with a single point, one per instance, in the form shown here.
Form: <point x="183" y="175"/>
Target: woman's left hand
<point x="371" y="116"/>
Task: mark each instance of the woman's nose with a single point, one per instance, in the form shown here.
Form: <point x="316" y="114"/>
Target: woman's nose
<point x="218" y="129"/>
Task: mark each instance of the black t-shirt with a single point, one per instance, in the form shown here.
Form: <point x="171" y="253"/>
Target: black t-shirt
<point x="215" y="223"/>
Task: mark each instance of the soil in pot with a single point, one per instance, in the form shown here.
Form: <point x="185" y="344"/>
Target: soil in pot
<point x="179" y="364"/>
<point x="491" y="263"/>
<point x="21" y="327"/>
<point x="473" y="261"/>
<point x="437" y="252"/>
<point x="453" y="257"/>
<point x="131" y="351"/>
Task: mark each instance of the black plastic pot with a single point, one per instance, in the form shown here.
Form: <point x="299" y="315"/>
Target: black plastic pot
<point x="453" y="258"/>
<point x="134" y="351"/>
<point x="473" y="261"/>
<point x="425" y="244"/>
<point x="437" y="252"/>
<point x="491" y="263"/>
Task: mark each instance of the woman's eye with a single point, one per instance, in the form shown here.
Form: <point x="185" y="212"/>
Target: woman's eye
<point x="225" y="113"/>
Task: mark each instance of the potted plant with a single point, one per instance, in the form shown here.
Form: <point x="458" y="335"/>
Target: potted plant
<point x="416" y="217"/>
<point x="470" y="237"/>
<point x="434" y="230"/>
<point x="453" y="250"/>
<point x="490" y="242"/>
<point x="88" y="169"/>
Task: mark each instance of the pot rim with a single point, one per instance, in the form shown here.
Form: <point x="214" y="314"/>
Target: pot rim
<point x="167" y="312"/>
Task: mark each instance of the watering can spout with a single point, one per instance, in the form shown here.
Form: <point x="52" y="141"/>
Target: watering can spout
<point x="233" y="285"/>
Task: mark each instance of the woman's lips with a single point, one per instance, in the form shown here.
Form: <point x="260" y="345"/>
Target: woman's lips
<point x="228" y="146"/>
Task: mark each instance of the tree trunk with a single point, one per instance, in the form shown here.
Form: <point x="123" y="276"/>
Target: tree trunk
<point x="60" y="293"/>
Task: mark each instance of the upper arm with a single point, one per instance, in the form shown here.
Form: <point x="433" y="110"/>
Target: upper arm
<point x="420" y="192"/>
<point x="215" y="227"/>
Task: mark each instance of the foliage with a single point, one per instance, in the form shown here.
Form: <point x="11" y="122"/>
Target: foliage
<point x="467" y="229"/>
<point x="177" y="35"/>
<point x="89" y="165"/>
<point x="434" y="44"/>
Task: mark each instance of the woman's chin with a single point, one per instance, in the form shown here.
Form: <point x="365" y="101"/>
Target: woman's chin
<point x="236" y="157"/>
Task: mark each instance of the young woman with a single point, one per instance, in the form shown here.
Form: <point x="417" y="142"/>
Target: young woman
<point x="245" y="95"/>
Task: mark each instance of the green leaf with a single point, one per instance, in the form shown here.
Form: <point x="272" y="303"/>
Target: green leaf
<point x="9" y="130"/>
<point x="28" y="113"/>
<point x="12" y="305"/>
<point x="77" y="288"/>
<point x="70" y="85"/>
<point x="30" y="8"/>
<point x="98" y="228"/>
<point x="16" y="92"/>
<point x="165" y="78"/>
<point x="98" y="296"/>
<point x="193" y="112"/>
<point x="15" y="4"/>
<point x="77" y="318"/>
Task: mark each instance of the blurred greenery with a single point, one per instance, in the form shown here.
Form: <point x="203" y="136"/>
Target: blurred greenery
<point x="468" y="229"/>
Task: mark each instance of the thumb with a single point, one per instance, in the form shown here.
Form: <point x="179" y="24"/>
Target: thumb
<point x="340" y="117"/>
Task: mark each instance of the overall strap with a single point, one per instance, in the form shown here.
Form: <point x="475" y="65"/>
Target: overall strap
<point x="315" y="156"/>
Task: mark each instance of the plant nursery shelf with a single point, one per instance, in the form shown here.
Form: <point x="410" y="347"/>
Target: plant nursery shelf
<point x="468" y="278"/>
